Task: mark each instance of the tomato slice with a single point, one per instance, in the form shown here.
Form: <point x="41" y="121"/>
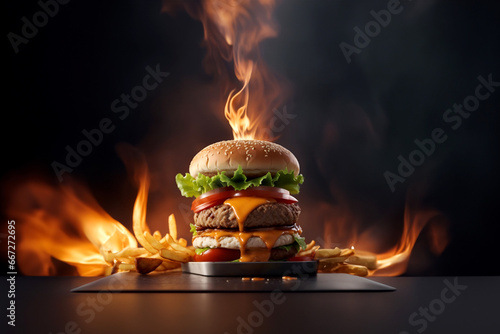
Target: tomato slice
<point x="218" y="255"/>
<point x="219" y="195"/>
<point x="301" y="258"/>
<point x="215" y="191"/>
<point x="205" y="205"/>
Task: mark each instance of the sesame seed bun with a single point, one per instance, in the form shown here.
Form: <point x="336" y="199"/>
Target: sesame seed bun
<point x="256" y="157"/>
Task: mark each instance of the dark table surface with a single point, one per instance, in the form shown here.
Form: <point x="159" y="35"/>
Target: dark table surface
<point x="419" y="305"/>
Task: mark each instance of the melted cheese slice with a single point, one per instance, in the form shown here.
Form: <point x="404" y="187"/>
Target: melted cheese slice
<point x="242" y="206"/>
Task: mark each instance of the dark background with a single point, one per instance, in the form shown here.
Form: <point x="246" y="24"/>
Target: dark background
<point x="352" y="120"/>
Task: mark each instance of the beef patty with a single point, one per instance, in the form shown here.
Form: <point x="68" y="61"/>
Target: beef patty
<point x="265" y="215"/>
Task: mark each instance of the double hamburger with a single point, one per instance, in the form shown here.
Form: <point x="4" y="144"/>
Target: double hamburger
<point x="243" y="207"/>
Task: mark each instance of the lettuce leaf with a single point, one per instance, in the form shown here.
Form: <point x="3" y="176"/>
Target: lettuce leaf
<point x="194" y="187"/>
<point x="200" y="251"/>
<point x="298" y="244"/>
<point x="288" y="247"/>
<point x="192" y="229"/>
<point x="300" y="241"/>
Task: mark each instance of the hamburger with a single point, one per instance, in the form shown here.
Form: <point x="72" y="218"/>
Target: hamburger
<point x="243" y="207"/>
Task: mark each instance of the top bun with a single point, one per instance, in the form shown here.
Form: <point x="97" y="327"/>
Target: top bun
<point x="256" y="158"/>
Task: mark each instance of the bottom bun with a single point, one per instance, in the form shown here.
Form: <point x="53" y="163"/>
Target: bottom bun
<point x="234" y="243"/>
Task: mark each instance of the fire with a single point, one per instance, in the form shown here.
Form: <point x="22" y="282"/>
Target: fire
<point x="395" y="261"/>
<point x="233" y="30"/>
<point x="345" y="230"/>
<point x="64" y="223"/>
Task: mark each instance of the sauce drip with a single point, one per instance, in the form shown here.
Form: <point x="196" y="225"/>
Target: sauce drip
<point x="242" y="206"/>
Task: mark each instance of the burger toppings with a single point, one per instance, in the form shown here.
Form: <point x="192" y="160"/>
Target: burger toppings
<point x="243" y="209"/>
<point x="285" y="252"/>
<point x="195" y="186"/>
<point x="216" y="254"/>
<point x="220" y="195"/>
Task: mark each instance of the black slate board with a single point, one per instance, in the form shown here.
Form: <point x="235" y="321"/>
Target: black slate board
<point x="184" y="282"/>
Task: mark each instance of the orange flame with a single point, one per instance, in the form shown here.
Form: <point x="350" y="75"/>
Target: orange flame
<point x="59" y="223"/>
<point x="233" y="30"/>
<point x="394" y="262"/>
<point x="344" y="231"/>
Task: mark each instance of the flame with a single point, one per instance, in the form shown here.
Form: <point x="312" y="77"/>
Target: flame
<point x="233" y="31"/>
<point x="394" y="262"/>
<point x="344" y="230"/>
<point x="66" y="224"/>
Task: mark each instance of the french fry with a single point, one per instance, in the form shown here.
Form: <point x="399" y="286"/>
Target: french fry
<point x="368" y="260"/>
<point x="132" y="252"/>
<point x="145" y="243"/>
<point x="153" y="242"/>
<point x="174" y="255"/>
<point x="172" y="227"/>
<point x="128" y="260"/>
<point x="182" y="242"/>
<point x="352" y="269"/>
<point x="125" y="255"/>
<point x="165" y="243"/>
<point x="309" y="252"/>
<point x="178" y="247"/>
<point x="346" y="252"/>
<point x="108" y="271"/>
<point x="108" y="256"/>
<point x="157" y="235"/>
<point x="126" y="267"/>
<point x="338" y="259"/>
<point x="327" y="253"/>
<point x="327" y="267"/>
<point x="158" y="256"/>
<point x="310" y="245"/>
<point x="168" y="266"/>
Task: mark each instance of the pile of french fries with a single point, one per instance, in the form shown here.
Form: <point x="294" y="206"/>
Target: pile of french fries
<point x="158" y="253"/>
<point x="336" y="260"/>
<point x="166" y="253"/>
